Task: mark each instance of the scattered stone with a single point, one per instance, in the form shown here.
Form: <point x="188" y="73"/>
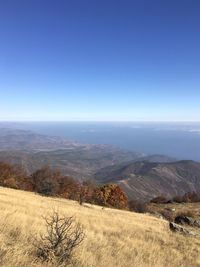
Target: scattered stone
<point x="179" y="229"/>
<point x="196" y="223"/>
<point x="184" y="220"/>
<point x="176" y="228"/>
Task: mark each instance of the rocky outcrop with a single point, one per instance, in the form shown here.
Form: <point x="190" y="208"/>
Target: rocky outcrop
<point x="186" y="220"/>
<point x="183" y="220"/>
<point x="182" y="230"/>
<point x="178" y="229"/>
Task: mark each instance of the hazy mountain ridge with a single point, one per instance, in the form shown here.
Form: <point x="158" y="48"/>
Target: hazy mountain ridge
<point x="14" y="139"/>
<point x="80" y="162"/>
<point x="32" y="151"/>
<point x="145" y="180"/>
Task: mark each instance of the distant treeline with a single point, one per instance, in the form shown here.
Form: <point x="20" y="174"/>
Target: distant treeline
<point x="185" y="198"/>
<point x="48" y="182"/>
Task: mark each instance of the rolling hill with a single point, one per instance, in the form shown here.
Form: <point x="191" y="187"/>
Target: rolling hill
<point x="145" y="180"/>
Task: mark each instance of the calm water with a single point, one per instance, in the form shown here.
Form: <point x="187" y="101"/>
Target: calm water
<point x="180" y="140"/>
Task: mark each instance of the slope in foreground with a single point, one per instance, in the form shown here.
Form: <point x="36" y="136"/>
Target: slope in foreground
<point x="114" y="238"/>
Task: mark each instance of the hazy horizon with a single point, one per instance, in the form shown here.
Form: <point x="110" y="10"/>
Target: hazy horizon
<point x="178" y="140"/>
<point x="100" y="121"/>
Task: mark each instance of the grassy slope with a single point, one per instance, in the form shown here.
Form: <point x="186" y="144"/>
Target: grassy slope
<point x="113" y="238"/>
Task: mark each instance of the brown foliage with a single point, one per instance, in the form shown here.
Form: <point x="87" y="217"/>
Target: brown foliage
<point x="68" y="188"/>
<point x="80" y="191"/>
<point x="112" y="195"/>
<point x="167" y="214"/>
<point x="8" y="175"/>
<point x="14" y="177"/>
<point x="87" y="192"/>
<point x="49" y="182"/>
<point x="46" y="181"/>
<point x="10" y="182"/>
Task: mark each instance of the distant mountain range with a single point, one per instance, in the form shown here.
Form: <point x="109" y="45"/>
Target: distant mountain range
<point x="32" y="151"/>
<point x="141" y="176"/>
<point x="145" y="180"/>
<point x="14" y="139"/>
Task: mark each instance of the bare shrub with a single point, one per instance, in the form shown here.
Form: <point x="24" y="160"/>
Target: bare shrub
<point x="63" y="235"/>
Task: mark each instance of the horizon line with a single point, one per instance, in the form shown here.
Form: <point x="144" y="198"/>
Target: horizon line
<point x="100" y="121"/>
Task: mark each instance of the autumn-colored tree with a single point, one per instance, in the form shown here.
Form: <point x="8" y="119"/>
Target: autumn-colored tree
<point x="46" y="181"/>
<point x="25" y="183"/>
<point x="12" y="176"/>
<point x="68" y="188"/>
<point x="10" y="182"/>
<point x="51" y="183"/>
<point x="112" y="195"/>
<point x="87" y="192"/>
<point x="6" y="172"/>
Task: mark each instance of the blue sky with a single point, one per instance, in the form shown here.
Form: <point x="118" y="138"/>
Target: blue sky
<point x="117" y="60"/>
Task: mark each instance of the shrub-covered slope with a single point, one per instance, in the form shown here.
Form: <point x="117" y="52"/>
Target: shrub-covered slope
<point x="114" y="238"/>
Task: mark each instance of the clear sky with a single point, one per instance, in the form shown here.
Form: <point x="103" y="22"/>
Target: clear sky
<point x="100" y="60"/>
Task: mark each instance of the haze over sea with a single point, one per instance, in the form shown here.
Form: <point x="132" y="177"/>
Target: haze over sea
<point x="180" y="140"/>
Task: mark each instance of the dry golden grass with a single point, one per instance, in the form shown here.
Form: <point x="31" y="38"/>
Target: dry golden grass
<point x="113" y="238"/>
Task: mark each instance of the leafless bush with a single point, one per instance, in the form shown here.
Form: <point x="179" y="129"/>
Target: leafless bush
<point x="63" y="235"/>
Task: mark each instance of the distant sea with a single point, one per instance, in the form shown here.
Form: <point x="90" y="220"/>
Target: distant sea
<point x="179" y="140"/>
